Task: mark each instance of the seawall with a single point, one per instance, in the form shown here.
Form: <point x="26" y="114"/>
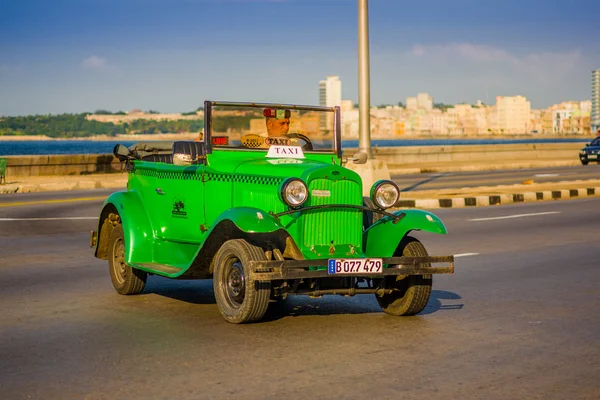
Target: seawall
<point x="396" y="157"/>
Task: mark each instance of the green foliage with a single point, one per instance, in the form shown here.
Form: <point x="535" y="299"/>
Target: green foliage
<point x="442" y="106"/>
<point x="106" y="112"/>
<point x="76" y="125"/>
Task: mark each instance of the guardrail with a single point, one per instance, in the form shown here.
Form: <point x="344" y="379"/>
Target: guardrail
<point x="85" y="164"/>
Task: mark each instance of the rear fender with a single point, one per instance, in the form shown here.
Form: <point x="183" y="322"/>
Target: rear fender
<point x="137" y="231"/>
<point x="383" y="237"/>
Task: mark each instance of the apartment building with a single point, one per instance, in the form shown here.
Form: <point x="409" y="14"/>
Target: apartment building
<point x="513" y="114"/>
<point x="330" y="95"/>
<point x="595" y="108"/>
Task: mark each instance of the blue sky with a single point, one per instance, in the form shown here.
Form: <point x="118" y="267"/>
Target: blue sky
<point x="83" y="55"/>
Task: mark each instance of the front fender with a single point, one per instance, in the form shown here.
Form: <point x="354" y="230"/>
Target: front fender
<point x="250" y="220"/>
<point x="382" y="238"/>
<point x="137" y="231"/>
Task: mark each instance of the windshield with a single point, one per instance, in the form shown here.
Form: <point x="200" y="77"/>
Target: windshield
<point x="595" y="142"/>
<point x="260" y="126"/>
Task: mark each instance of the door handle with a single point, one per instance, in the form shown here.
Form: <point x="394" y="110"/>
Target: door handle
<point x="159" y="191"/>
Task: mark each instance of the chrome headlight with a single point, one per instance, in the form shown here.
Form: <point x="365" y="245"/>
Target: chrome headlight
<point x="293" y="192"/>
<point x="385" y="194"/>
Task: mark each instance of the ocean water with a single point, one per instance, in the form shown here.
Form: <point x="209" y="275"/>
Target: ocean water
<point x="42" y="147"/>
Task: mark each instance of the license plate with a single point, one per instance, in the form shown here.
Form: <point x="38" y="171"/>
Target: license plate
<point x="592" y="155"/>
<point x="340" y="266"/>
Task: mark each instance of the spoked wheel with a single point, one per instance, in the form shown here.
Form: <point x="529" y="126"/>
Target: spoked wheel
<point x="125" y="279"/>
<point x="239" y="296"/>
<point x="411" y="293"/>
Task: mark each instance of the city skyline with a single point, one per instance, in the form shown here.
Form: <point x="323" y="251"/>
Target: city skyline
<point x="80" y="56"/>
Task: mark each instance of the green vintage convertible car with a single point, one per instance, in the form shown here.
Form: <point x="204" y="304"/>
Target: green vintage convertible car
<point x="265" y="208"/>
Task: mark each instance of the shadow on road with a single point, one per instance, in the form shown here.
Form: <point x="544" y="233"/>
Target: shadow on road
<point x="435" y="303"/>
<point x="192" y="291"/>
<point x="201" y="292"/>
<point x="430" y="179"/>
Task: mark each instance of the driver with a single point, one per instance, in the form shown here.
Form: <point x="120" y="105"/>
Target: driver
<point x="277" y="122"/>
<point x="277" y="126"/>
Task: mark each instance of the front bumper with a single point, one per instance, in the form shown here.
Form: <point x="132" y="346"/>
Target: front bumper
<point x="300" y="269"/>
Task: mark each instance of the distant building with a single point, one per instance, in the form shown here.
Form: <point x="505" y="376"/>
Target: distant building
<point x="595" y="111"/>
<point x="330" y="95"/>
<point x="347" y="105"/>
<point x="424" y="102"/>
<point x="330" y="92"/>
<point x="513" y="114"/>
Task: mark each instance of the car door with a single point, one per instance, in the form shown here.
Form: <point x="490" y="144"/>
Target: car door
<point x="180" y="203"/>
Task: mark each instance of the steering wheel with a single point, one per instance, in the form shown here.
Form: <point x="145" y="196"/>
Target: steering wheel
<point x="307" y="143"/>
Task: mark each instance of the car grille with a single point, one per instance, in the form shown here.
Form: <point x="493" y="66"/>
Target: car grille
<point x="342" y="226"/>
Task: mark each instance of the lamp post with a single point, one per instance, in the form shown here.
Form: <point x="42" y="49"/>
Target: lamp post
<point x="364" y="100"/>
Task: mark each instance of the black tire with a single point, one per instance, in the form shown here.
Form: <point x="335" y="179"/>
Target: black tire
<point x="125" y="279"/>
<point x="584" y="162"/>
<point x="412" y="292"/>
<point x="239" y="296"/>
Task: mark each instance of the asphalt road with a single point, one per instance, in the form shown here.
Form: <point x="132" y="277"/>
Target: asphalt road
<point x="451" y="180"/>
<point x="519" y="319"/>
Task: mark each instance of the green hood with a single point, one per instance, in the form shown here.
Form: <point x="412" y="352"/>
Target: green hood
<point x="305" y="169"/>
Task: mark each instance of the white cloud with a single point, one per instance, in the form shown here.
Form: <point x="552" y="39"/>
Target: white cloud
<point x="94" y="62"/>
<point x="541" y="65"/>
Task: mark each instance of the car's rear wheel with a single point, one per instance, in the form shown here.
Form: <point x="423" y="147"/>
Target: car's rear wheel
<point x="240" y="297"/>
<point x="411" y="293"/>
<point x="125" y="279"/>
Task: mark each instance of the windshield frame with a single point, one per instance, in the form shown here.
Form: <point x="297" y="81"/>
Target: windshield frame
<point x="337" y="139"/>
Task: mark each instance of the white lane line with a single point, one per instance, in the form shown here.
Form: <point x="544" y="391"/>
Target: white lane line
<point x="44" y="219"/>
<point x="465" y="255"/>
<point x="546" y="175"/>
<point x="515" y="216"/>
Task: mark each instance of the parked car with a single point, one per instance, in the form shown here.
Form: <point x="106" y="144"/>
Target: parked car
<point x="590" y="152"/>
<point x="265" y="208"/>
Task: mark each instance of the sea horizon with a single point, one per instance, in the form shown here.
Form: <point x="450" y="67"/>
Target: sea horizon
<point x="81" y="146"/>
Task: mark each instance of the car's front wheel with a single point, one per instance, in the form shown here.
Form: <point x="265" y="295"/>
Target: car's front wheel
<point x="125" y="279"/>
<point x="584" y="161"/>
<point x="410" y="293"/>
<point x="239" y="296"/>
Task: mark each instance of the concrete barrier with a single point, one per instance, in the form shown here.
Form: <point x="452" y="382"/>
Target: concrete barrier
<point x="84" y="164"/>
<point x="62" y="164"/>
<point x="412" y="155"/>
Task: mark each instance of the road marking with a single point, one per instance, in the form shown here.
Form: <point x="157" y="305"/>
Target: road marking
<point x="515" y="216"/>
<point x="45" y="219"/>
<point x="465" y="255"/>
<point x="546" y="175"/>
<point x="35" y="202"/>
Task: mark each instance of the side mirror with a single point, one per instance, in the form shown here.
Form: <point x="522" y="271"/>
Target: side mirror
<point x="121" y="152"/>
<point x="359" y="158"/>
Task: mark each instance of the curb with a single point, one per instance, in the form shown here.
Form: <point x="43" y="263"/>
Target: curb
<point x="53" y="186"/>
<point x="496" y="200"/>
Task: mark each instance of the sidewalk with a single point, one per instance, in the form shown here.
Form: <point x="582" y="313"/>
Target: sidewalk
<point x="428" y="199"/>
